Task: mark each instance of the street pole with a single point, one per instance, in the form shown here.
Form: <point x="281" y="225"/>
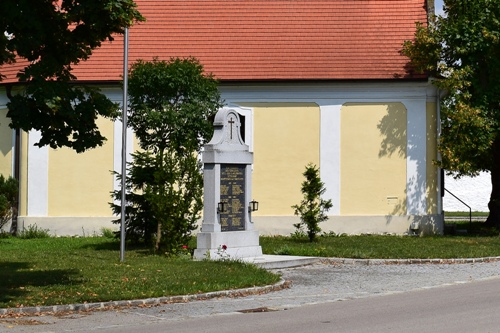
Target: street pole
<point x="124" y="144"/>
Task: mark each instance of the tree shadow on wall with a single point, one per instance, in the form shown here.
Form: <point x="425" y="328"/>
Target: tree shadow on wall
<point x="5" y="149"/>
<point x="403" y="139"/>
<point x="393" y="134"/>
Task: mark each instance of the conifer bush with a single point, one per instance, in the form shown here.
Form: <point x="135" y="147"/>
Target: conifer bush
<point x="312" y="209"/>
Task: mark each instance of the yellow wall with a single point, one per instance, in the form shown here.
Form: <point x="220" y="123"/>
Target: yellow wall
<point x="286" y="139"/>
<point x="373" y="159"/>
<point x="432" y="180"/>
<point x="5" y="145"/>
<point x="80" y="184"/>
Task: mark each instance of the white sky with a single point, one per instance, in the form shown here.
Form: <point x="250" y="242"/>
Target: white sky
<point x="439" y="7"/>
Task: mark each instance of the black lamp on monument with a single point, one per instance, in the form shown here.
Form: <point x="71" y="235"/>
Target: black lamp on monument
<point x="254" y="206"/>
<point x="222" y="207"/>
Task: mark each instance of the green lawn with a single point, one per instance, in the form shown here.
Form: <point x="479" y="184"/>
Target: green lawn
<point x="385" y="247"/>
<point x="53" y="271"/>
<point x="465" y="214"/>
<point x="477" y="242"/>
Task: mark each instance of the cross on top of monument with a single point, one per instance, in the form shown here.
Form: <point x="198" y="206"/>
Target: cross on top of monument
<point x="232" y="127"/>
<point x="232" y="124"/>
<point x="227" y="131"/>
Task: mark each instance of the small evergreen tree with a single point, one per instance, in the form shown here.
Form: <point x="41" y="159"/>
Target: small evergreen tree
<point x="8" y="199"/>
<point x="171" y="107"/>
<point x="312" y="209"/>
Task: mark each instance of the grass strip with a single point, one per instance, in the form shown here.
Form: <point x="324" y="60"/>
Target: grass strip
<point x="465" y="214"/>
<point x="55" y="271"/>
<point x="385" y="247"/>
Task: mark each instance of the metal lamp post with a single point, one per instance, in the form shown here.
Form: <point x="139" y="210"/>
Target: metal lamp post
<point x="124" y="144"/>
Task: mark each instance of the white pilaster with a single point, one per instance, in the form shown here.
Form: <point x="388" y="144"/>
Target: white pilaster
<point x="416" y="167"/>
<point x="117" y="150"/>
<point x="330" y="152"/>
<point x="38" y="176"/>
<point x="14" y="152"/>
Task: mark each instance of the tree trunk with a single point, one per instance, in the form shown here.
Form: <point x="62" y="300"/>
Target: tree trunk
<point x="158" y="238"/>
<point x="162" y="195"/>
<point x="13" y="225"/>
<point x="493" y="219"/>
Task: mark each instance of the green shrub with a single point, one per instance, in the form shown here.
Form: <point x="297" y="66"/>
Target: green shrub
<point x="108" y="233"/>
<point x="285" y="250"/>
<point x="32" y="231"/>
<point x="312" y="209"/>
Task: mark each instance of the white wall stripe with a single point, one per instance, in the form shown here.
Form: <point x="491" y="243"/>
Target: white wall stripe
<point x="117" y="151"/>
<point x="330" y="153"/>
<point x="416" y="167"/>
<point x="38" y="176"/>
<point x="13" y="170"/>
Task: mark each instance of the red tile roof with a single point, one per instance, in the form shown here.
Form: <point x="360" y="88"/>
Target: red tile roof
<point x="269" y="39"/>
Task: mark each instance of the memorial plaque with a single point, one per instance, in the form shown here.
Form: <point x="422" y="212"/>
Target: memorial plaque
<point x="227" y="186"/>
<point x="232" y="192"/>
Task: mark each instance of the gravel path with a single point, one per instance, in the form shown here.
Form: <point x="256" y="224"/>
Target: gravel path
<point x="317" y="283"/>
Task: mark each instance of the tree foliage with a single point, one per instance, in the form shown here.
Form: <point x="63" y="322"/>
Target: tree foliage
<point x="312" y="209"/>
<point x="170" y="107"/>
<point x="51" y="37"/>
<point x="461" y="50"/>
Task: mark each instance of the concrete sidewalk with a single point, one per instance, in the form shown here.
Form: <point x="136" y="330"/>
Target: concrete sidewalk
<point x="268" y="261"/>
<point x="282" y="262"/>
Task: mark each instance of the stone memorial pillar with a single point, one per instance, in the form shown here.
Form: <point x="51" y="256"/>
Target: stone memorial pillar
<point x="227" y="230"/>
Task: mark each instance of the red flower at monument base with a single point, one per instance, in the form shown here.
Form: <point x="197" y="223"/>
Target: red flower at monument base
<point x="224" y="247"/>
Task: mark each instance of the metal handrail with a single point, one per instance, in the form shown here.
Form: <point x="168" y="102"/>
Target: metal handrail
<point x="470" y="209"/>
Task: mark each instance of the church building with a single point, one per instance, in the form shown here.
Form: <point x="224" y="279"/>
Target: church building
<point x="314" y="81"/>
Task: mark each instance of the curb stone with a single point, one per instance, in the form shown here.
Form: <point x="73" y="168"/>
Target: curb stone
<point x="282" y="284"/>
<point x="348" y="261"/>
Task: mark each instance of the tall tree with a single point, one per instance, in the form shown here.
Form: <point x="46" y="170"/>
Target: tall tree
<point x="52" y="36"/>
<point x="171" y="104"/>
<point x="461" y="50"/>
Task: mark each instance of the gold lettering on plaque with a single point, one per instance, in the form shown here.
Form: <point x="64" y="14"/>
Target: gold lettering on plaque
<point x="232" y="191"/>
<point x="237" y="189"/>
<point x="236" y="221"/>
<point x="235" y="205"/>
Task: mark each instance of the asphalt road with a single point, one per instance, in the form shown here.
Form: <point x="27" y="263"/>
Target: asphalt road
<point x="323" y="298"/>
<point x="471" y="307"/>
